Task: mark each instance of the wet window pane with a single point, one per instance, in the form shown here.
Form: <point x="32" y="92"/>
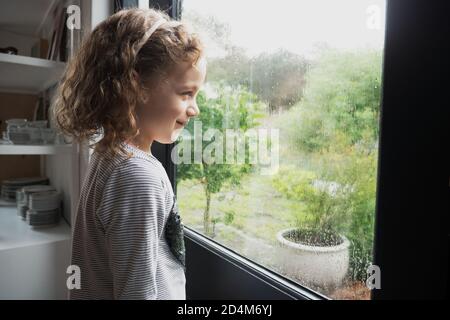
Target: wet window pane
<point x="281" y="164"/>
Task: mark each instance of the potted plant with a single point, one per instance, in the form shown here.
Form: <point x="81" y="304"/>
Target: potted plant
<point x="314" y="249"/>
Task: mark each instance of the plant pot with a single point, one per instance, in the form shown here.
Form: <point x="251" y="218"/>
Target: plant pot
<point x="323" y="266"/>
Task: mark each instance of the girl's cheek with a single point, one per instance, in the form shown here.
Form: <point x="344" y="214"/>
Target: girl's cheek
<point x="183" y="106"/>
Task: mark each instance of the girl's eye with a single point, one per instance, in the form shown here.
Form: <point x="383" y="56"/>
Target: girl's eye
<point x="188" y="93"/>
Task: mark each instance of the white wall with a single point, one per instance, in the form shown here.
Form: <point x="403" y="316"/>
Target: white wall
<point x="35" y="272"/>
<point x="23" y="43"/>
<point x="100" y="10"/>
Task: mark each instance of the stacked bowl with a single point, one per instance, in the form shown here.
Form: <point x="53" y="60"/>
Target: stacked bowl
<point x="11" y="186"/>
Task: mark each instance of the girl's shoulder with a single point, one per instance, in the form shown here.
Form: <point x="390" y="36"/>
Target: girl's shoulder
<point x="138" y="168"/>
<point x="103" y="165"/>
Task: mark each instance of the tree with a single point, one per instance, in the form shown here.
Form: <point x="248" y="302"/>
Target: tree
<point x="232" y="68"/>
<point x="276" y="78"/>
<point x="279" y="78"/>
<point x="341" y="101"/>
<point x="233" y="108"/>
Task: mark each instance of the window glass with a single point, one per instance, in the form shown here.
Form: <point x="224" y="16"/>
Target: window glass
<point x="280" y="165"/>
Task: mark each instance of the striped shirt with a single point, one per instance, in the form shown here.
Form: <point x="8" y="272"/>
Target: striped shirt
<point x="118" y="240"/>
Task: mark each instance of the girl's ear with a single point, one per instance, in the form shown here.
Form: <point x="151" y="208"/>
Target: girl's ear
<point x="145" y="97"/>
<point x="135" y="76"/>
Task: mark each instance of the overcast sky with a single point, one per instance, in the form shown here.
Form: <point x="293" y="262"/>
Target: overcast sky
<point x="296" y="25"/>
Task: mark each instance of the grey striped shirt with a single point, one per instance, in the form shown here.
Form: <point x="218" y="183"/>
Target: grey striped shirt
<point x="118" y="239"/>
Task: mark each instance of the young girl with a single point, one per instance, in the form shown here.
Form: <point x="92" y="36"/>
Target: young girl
<point x="134" y="81"/>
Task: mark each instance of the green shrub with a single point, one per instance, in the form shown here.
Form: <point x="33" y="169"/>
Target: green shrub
<point x="229" y="217"/>
<point x="338" y="198"/>
<point x="321" y="199"/>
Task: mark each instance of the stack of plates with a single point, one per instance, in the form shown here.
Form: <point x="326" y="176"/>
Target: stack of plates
<point x="43" y="218"/>
<point x="21" y="131"/>
<point x="10" y="186"/>
<point x="45" y="200"/>
<point x="23" y="197"/>
<point x="44" y="208"/>
<point x="15" y="131"/>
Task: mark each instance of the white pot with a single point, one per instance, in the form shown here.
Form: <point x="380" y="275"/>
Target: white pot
<point x="318" y="266"/>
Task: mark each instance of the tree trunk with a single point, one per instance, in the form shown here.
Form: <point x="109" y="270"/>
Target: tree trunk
<point x="206" y="215"/>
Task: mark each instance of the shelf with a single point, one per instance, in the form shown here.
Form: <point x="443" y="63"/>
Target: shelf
<point x="28" y="74"/>
<point x="16" y="233"/>
<point x="17" y="149"/>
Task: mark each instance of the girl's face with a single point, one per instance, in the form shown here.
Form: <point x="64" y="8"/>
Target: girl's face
<point x="171" y="104"/>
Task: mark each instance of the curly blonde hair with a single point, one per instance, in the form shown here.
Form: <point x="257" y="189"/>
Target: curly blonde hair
<point x="102" y="84"/>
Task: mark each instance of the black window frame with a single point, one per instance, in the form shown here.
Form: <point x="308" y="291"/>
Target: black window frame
<point x="411" y="226"/>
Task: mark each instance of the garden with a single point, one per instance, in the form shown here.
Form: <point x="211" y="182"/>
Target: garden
<point x="313" y="219"/>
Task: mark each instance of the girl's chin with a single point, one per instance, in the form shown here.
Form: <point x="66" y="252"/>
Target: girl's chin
<point x="164" y="141"/>
<point x="174" y="136"/>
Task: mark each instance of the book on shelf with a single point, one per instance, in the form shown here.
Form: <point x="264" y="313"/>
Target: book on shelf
<point x="59" y="29"/>
<point x="60" y="25"/>
<point x="52" y="43"/>
<point x="63" y="48"/>
<point x="40" y="49"/>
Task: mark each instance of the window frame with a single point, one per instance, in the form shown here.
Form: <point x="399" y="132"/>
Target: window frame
<point x="412" y="185"/>
<point x="287" y="288"/>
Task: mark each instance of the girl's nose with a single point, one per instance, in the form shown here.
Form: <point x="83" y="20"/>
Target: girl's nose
<point x="192" y="111"/>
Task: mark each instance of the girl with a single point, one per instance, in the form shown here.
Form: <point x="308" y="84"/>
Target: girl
<point x="134" y="81"/>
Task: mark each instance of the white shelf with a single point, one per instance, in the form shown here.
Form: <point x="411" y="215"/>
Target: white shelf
<point x="16" y="233"/>
<point x="28" y="74"/>
<point x="17" y="149"/>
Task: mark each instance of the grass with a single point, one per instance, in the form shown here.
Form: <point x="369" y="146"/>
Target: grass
<point x="256" y="207"/>
<point x="250" y="216"/>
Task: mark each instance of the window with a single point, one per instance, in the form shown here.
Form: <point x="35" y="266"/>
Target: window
<point x="280" y="166"/>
